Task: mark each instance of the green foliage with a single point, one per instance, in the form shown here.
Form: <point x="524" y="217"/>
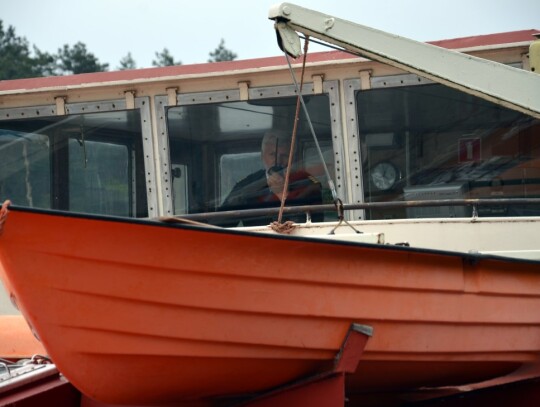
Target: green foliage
<point x="127" y="62"/>
<point x="77" y="59"/>
<point x="16" y="60"/>
<point x="222" y="54"/>
<point x="19" y="60"/>
<point x="164" y="58"/>
<point x="45" y="63"/>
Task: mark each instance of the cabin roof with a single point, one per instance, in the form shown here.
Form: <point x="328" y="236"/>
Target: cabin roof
<point x="202" y="69"/>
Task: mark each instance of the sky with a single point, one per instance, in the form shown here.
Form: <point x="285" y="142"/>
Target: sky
<point x="190" y="30"/>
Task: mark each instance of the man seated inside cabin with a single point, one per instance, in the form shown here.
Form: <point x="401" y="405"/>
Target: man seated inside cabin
<point x="264" y="188"/>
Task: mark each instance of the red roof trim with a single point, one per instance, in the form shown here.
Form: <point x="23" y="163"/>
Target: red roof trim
<point x="208" y="68"/>
<point x="488" y="39"/>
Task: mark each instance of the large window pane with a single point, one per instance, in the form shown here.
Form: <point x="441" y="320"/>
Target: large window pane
<point x="215" y="146"/>
<point x="433" y="142"/>
<point x="24" y="168"/>
<point x="99" y="177"/>
<point x="87" y="163"/>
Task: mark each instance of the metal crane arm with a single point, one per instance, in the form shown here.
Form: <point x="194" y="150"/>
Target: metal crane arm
<point x="511" y="87"/>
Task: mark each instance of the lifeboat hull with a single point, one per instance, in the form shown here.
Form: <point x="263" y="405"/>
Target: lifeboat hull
<point x="142" y="312"/>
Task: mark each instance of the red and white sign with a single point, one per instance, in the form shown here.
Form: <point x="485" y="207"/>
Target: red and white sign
<point x="469" y="150"/>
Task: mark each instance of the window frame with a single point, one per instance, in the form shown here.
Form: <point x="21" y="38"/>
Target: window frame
<point x="356" y="152"/>
<point x="102" y="106"/>
<point x="163" y="102"/>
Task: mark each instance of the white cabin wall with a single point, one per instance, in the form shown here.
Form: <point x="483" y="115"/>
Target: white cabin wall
<point x="339" y="70"/>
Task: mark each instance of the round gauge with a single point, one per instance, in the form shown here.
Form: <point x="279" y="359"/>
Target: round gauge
<point x="384" y="175"/>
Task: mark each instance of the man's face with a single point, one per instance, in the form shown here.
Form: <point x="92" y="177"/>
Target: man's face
<point x="270" y="158"/>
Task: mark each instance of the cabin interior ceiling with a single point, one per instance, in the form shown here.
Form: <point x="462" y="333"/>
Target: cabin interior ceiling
<point x="260" y="115"/>
<point x="104" y="121"/>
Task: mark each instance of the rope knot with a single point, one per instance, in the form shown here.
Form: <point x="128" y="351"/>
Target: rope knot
<point x="284" y="228"/>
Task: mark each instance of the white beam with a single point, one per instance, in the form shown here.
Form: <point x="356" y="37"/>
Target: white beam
<point x="511" y="87"/>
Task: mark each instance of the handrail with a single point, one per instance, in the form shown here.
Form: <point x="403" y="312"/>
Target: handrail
<point x="248" y="213"/>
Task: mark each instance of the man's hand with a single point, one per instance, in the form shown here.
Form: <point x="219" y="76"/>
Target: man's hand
<point x="275" y="183"/>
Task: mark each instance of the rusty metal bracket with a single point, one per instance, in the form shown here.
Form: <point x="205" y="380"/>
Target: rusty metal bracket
<point x="171" y="95"/>
<point x="326" y="389"/>
<point x="243" y="87"/>
<point x="60" y="102"/>
<point x="365" y="79"/>
<point x="317" y="84"/>
<point x="130" y="99"/>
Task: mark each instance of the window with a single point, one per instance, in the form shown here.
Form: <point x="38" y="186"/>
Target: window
<point x="434" y="142"/>
<point x="234" y="167"/>
<point x="87" y="163"/>
<point x="218" y="145"/>
<point x="25" y="178"/>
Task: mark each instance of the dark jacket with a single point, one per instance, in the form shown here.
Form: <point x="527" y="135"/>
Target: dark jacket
<point x="253" y="192"/>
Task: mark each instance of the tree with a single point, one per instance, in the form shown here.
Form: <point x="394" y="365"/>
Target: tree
<point x="222" y="54"/>
<point x="164" y="58"/>
<point x="78" y="60"/>
<point x="127" y="62"/>
<point x="18" y="60"/>
<point x="45" y="63"/>
<point x="15" y="56"/>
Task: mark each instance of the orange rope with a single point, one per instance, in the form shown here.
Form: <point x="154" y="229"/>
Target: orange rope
<point x="293" y="138"/>
<point x="3" y="214"/>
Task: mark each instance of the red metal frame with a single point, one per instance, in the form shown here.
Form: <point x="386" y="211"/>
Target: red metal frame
<point x="53" y="390"/>
<point x="325" y="389"/>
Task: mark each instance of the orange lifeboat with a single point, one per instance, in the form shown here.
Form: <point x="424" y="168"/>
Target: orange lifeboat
<point x="143" y="312"/>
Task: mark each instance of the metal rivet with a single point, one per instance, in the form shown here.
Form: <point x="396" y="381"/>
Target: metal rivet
<point x="328" y="23"/>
